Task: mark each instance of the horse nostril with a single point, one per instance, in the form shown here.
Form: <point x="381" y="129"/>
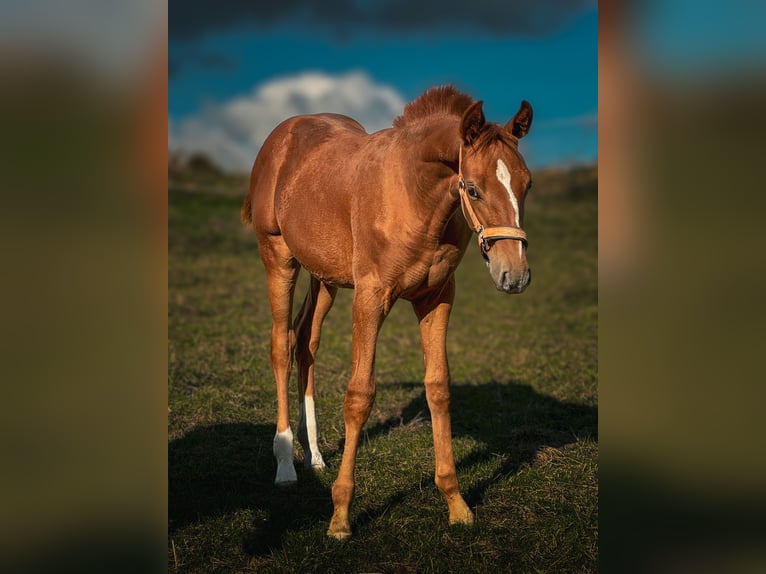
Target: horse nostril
<point x="504" y="279"/>
<point x="529" y="276"/>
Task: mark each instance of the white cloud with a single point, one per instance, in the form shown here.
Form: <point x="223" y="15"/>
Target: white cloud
<point x="232" y="132"/>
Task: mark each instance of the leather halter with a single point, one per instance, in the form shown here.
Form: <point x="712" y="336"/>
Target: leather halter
<point x="486" y="234"/>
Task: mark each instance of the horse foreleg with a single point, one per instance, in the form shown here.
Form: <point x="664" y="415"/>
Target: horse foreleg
<point x="281" y="272"/>
<point x="308" y="327"/>
<point x="433" y="314"/>
<point x="368" y="312"/>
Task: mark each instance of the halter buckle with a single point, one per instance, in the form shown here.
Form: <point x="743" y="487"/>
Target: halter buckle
<point x="482" y="240"/>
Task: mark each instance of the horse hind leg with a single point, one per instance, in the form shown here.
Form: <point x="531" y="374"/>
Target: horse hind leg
<point x="308" y="327"/>
<point x="281" y="272"/>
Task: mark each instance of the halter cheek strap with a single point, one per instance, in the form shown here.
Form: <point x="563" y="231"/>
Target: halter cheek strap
<point x="486" y="234"/>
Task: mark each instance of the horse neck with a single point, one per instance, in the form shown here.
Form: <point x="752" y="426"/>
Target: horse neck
<point x="431" y="165"/>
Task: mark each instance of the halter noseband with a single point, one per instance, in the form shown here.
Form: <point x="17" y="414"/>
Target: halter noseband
<point x="486" y="234"/>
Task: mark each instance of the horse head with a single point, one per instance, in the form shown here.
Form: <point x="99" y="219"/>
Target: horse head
<point x="493" y="181"/>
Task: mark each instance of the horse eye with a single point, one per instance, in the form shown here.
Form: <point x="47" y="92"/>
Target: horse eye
<point x="471" y="188"/>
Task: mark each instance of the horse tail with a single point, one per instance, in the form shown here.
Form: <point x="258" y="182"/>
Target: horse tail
<point x="246" y="213"/>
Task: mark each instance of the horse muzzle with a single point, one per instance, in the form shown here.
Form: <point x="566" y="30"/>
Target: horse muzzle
<point x="509" y="282"/>
<point x="508" y="266"/>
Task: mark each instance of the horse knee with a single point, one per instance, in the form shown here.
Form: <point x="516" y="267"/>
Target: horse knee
<point x="438" y="397"/>
<point x="282" y="338"/>
<point x="357" y="406"/>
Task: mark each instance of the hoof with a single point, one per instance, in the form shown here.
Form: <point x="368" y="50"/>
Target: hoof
<point x="339" y="535"/>
<point x="462" y="516"/>
<point x="283" y="451"/>
<point x="286" y="475"/>
<point x="339" y="529"/>
<point x="314" y="464"/>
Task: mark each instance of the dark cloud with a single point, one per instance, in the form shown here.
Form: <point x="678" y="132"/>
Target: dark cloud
<point x="215" y="62"/>
<point x="209" y="61"/>
<point x="192" y="19"/>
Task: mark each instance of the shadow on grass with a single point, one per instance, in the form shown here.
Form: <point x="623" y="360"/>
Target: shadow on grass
<point x="219" y="469"/>
<point x="512" y="420"/>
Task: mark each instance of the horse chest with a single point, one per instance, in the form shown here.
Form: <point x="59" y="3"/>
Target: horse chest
<point x="431" y="272"/>
<point x="443" y="265"/>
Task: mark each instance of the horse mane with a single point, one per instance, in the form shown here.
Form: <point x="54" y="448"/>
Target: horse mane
<point x="438" y="100"/>
<point x="447" y="100"/>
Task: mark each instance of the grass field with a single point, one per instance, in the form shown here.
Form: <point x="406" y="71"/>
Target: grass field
<point x="524" y="410"/>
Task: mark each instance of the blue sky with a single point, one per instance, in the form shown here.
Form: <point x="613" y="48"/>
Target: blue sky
<point x="235" y="74"/>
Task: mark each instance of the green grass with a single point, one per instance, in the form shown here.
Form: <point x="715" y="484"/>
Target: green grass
<point x="524" y="410"/>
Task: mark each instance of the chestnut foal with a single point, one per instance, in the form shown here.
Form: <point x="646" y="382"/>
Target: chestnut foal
<point x="390" y="215"/>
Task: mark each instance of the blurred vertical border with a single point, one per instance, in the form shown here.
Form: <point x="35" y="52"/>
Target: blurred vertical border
<point x="83" y="296"/>
<point x="682" y="273"/>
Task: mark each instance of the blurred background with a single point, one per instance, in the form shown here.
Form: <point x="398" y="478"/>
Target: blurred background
<point x="681" y="92"/>
<point x="100" y="96"/>
<point x="82" y="296"/>
<point x="238" y="70"/>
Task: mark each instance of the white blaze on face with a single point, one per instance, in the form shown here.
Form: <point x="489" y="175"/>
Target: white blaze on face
<point x="505" y="178"/>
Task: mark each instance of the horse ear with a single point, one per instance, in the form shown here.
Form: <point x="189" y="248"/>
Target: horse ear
<point x="472" y="123"/>
<point x="522" y="121"/>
